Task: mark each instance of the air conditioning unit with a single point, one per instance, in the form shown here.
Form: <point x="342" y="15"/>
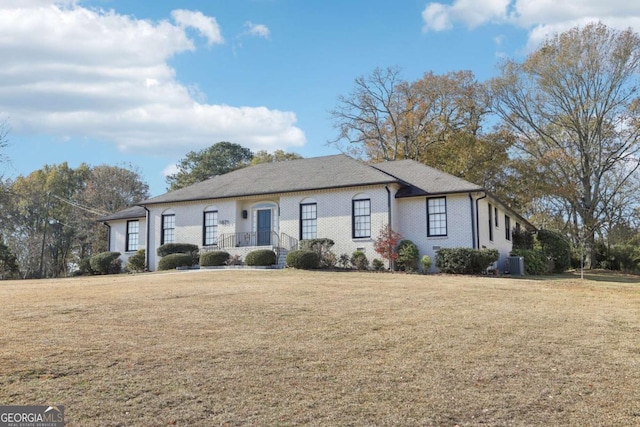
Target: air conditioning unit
<point x="516" y="265"/>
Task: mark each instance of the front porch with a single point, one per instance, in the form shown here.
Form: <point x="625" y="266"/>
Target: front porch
<point x="241" y="243"/>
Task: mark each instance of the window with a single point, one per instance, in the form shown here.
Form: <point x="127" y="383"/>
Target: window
<point x="168" y="233"/>
<point x="496" y="216"/>
<point x="133" y="233"/>
<point x="210" y="228"/>
<point x="308" y="221"/>
<point x="437" y="217"/>
<point x="362" y="218"/>
<point x="490" y="222"/>
<point x="507" y="227"/>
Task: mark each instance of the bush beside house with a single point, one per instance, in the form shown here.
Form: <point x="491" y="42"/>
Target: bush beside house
<point x="465" y="260"/>
<point x="303" y="259"/>
<point x="173" y="261"/>
<point x="214" y="258"/>
<point x="261" y="258"/>
<point x="137" y="262"/>
<point x="106" y="263"/>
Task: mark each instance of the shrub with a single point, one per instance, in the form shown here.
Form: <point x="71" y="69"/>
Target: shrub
<point x="173" y="261"/>
<point x="261" y="257"/>
<point x="106" y="263"/>
<point x="344" y="261"/>
<point x="234" y="260"/>
<point x="8" y="263"/>
<point x="386" y="244"/>
<point x="180" y="248"/>
<point x="557" y="249"/>
<point x="426" y="263"/>
<point x="84" y="267"/>
<point x="465" y="260"/>
<point x="408" y="256"/>
<point x="323" y="248"/>
<point x="304" y="260"/>
<point x="377" y="264"/>
<point x="137" y="262"/>
<point x="535" y="261"/>
<point x="522" y="239"/>
<point x="359" y="260"/>
<point x="483" y="259"/>
<point x="214" y="258"/>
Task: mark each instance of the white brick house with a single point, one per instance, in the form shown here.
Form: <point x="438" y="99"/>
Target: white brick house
<point x="276" y="205"/>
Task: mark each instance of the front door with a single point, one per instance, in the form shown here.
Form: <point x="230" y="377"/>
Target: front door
<point x="264" y="227"/>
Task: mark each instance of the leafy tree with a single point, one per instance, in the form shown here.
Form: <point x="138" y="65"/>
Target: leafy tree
<point x="107" y="189"/>
<point x="50" y="217"/>
<point x="574" y="105"/>
<point x="8" y="262"/>
<point x="388" y="118"/>
<point x="264" y="156"/>
<point x="218" y="159"/>
<point x="386" y="244"/>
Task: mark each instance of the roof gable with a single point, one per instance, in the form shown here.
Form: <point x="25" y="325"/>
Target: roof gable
<point x="422" y="180"/>
<point x="315" y="173"/>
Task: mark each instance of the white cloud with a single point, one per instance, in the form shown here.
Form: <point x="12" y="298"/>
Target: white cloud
<point x="70" y="71"/>
<point x="206" y="26"/>
<point x="259" y="30"/>
<point x="540" y="17"/>
<point x="439" y="17"/>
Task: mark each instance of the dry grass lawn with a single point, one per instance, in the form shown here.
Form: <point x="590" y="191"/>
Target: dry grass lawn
<point x="320" y="348"/>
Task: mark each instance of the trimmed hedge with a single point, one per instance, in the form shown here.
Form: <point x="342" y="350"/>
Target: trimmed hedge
<point x="535" y="261"/>
<point x="177" y="248"/>
<point x="465" y="260"/>
<point x="137" y="262"/>
<point x="173" y="261"/>
<point x="261" y="257"/>
<point x="106" y="263"/>
<point x="214" y="258"/>
<point x="303" y="260"/>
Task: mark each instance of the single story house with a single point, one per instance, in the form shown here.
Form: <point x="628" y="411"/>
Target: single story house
<point x="275" y="205"/>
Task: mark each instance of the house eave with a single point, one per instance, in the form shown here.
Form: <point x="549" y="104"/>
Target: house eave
<point x="268" y="193"/>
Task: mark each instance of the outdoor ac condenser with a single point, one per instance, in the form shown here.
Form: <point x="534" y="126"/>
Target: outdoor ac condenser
<point x="516" y="265"/>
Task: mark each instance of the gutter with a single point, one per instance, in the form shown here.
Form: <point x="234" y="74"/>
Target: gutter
<point x="108" y="235"/>
<point x="478" y="219"/>
<point x="473" y="223"/>
<point x="146" y="240"/>
<point x="386" y="187"/>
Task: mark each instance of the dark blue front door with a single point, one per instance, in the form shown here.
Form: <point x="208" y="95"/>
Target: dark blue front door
<point x="264" y="227"/>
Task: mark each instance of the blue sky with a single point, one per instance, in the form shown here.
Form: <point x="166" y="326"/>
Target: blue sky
<point x="143" y="82"/>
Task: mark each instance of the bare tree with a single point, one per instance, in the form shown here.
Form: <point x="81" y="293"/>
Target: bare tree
<point x="573" y="105"/>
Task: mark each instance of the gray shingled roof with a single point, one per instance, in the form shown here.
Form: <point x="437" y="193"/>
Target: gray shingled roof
<point x="423" y="180"/>
<point x="128" y="213"/>
<point x="281" y="177"/>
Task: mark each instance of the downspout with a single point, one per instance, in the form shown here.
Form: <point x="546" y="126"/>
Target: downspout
<point x="386" y="187"/>
<point x="146" y="240"/>
<point x="388" y="204"/>
<point x="473" y="223"/>
<point x="108" y="235"/>
<point x="478" y="219"/>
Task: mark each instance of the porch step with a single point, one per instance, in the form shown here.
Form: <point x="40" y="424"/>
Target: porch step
<point x="282" y="257"/>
